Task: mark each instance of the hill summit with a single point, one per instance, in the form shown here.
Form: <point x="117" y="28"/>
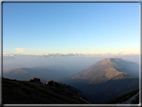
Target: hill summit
<point x="106" y="69"/>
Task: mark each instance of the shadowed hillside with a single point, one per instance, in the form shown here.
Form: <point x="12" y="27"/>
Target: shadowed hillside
<point x="35" y="92"/>
<point x="107" y="79"/>
<point x="131" y="97"/>
<point x="98" y="93"/>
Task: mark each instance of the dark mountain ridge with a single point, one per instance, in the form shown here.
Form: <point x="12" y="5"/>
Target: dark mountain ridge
<point x="35" y="92"/>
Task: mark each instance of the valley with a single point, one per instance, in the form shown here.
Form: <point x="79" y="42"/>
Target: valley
<point x="105" y="80"/>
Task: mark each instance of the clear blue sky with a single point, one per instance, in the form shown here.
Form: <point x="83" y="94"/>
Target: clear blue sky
<point x="38" y="28"/>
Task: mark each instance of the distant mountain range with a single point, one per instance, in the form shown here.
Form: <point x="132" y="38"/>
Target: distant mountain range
<point x="107" y="79"/>
<point x="46" y="73"/>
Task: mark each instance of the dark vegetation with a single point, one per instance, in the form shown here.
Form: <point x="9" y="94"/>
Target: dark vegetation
<point x="124" y="97"/>
<point x="35" y="79"/>
<point x="35" y="92"/>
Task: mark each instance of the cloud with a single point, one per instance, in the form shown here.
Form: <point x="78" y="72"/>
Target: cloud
<point x="121" y="53"/>
<point x="108" y="54"/>
<point x="64" y="55"/>
<point x="20" y="49"/>
<point x="46" y="54"/>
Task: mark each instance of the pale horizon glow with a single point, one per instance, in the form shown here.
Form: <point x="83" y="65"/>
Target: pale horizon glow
<point x="74" y="54"/>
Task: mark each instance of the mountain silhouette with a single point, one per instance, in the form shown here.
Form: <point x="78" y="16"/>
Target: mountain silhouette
<point x="35" y="92"/>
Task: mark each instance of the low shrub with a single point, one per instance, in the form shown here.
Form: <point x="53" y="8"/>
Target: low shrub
<point x="51" y="83"/>
<point x="35" y="79"/>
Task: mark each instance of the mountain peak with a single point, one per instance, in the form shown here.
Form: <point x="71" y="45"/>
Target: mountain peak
<point x="112" y="59"/>
<point x="115" y="59"/>
<point x="107" y="69"/>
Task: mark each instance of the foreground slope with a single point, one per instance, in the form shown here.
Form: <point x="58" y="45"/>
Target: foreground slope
<point x="29" y="92"/>
<point x="107" y="79"/>
<point x="128" y="98"/>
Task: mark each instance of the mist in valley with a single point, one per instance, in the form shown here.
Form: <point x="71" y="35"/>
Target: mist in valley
<point x="71" y="64"/>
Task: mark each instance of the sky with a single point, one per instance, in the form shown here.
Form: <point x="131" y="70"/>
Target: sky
<point x="62" y="28"/>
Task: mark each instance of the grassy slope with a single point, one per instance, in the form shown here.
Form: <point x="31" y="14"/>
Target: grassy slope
<point x="25" y="92"/>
